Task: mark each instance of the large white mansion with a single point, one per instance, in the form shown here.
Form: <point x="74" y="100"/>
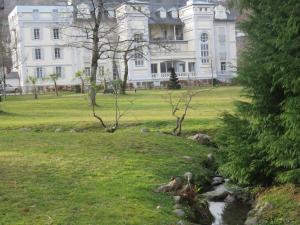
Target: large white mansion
<point x="201" y="36"/>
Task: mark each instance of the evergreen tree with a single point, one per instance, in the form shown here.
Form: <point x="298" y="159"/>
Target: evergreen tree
<point x="173" y="82"/>
<point x="261" y="141"/>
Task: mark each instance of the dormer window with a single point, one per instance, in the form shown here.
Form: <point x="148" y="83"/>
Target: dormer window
<point x="220" y="12"/>
<point x="173" y="13"/>
<point x="162" y="13"/>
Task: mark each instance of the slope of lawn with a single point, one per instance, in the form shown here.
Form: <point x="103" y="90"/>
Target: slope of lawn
<point x="90" y="177"/>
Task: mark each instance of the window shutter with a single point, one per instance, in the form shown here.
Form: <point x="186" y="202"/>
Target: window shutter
<point x="44" y="72"/>
<point x="63" y="72"/>
<point x="32" y="33"/>
<point x="61" y="53"/>
<point x="42" y="54"/>
<point x="41" y="33"/>
<point x="51" y="33"/>
<point x="53" y="53"/>
<point x="35" y="72"/>
<point x="33" y="54"/>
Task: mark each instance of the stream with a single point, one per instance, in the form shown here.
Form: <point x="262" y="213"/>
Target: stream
<point x="228" y="212"/>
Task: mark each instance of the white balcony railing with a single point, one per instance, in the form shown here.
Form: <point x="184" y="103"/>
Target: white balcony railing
<point x="180" y="75"/>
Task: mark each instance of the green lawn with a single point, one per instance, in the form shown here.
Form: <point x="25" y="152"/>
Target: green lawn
<point x="142" y="107"/>
<point x="92" y="177"/>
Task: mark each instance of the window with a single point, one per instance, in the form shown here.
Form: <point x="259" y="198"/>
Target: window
<point x="36" y="33"/>
<point x="154" y="68"/>
<point x="39" y="73"/>
<point x="179" y="66"/>
<point x="204" y="48"/>
<point x="58" y="71"/>
<point x="179" y="33"/>
<point x="101" y="70"/>
<point x="223" y="67"/>
<point x="139" y="58"/>
<point x="165" y="34"/>
<point x="191" y="67"/>
<point x="57" y="53"/>
<point x="204" y="37"/>
<point x="165" y="67"/>
<point x="35" y="14"/>
<point x="38" y="54"/>
<point x="56" y="33"/>
<point x="87" y="71"/>
<point x="138" y="37"/>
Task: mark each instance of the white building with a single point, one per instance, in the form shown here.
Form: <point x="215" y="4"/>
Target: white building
<point x="200" y="36"/>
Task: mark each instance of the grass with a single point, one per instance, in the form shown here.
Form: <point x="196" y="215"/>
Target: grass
<point x="91" y="177"/>
<point x="150" y="107"/>
<point x="285" y="205"/>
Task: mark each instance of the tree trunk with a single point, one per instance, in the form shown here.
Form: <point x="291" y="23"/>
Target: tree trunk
<point x="125" y="78"/>
<point x="104" y="86"/>
<point x="35" y="93"/>
<point x="82" y="86"/>
<point x="55" y="86"/>
<point x="94" y="65"/>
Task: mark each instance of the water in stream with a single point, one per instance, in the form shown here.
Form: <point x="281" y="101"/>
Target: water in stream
<point x="228" y="213"/>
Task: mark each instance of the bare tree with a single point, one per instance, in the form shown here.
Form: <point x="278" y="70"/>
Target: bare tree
<point x="116" y="85"/>
<point x="180" y="106"/>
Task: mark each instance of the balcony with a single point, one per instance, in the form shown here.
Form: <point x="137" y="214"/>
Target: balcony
<point x="166" y="33"/>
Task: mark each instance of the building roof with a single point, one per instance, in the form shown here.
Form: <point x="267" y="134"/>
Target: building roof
<point x="155" y="19"/>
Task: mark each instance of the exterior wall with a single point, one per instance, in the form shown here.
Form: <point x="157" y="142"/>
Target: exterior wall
<point x="133" y="22"/>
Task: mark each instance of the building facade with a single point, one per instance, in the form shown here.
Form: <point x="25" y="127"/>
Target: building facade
<point x="197" y="38"/>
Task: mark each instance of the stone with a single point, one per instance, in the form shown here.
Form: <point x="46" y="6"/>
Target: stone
<point x="145" y="130"/>
<point x="158" y="207"/>
<point x="72" y="131"/>
<point x="179" y="212"/>
<point x="202" y="139"/>
<point x="24" y="129"/>
<point x="180" y="222"/>
<point x="230" y="198"/>
<point x="58" y="130"/>
<point x="188" y="176"/>
<point x="177" y="206"/>
<point x="177" y="198"/>
<point x="217" y="181"/>
<point x="188" y="158"/>
<point x="174" y="185"/>
<point x="218" y="195"/>
<point x="210" y="158"/>
<point x="251" y="221"/>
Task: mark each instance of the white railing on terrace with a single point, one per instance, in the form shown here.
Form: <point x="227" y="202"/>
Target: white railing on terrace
<point x="180" y="75"/>
<point x="225" y="74"/>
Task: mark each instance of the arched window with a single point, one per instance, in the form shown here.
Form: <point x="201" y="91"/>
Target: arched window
<point x="139" y="54"/>
<point x="204" y="48"/>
